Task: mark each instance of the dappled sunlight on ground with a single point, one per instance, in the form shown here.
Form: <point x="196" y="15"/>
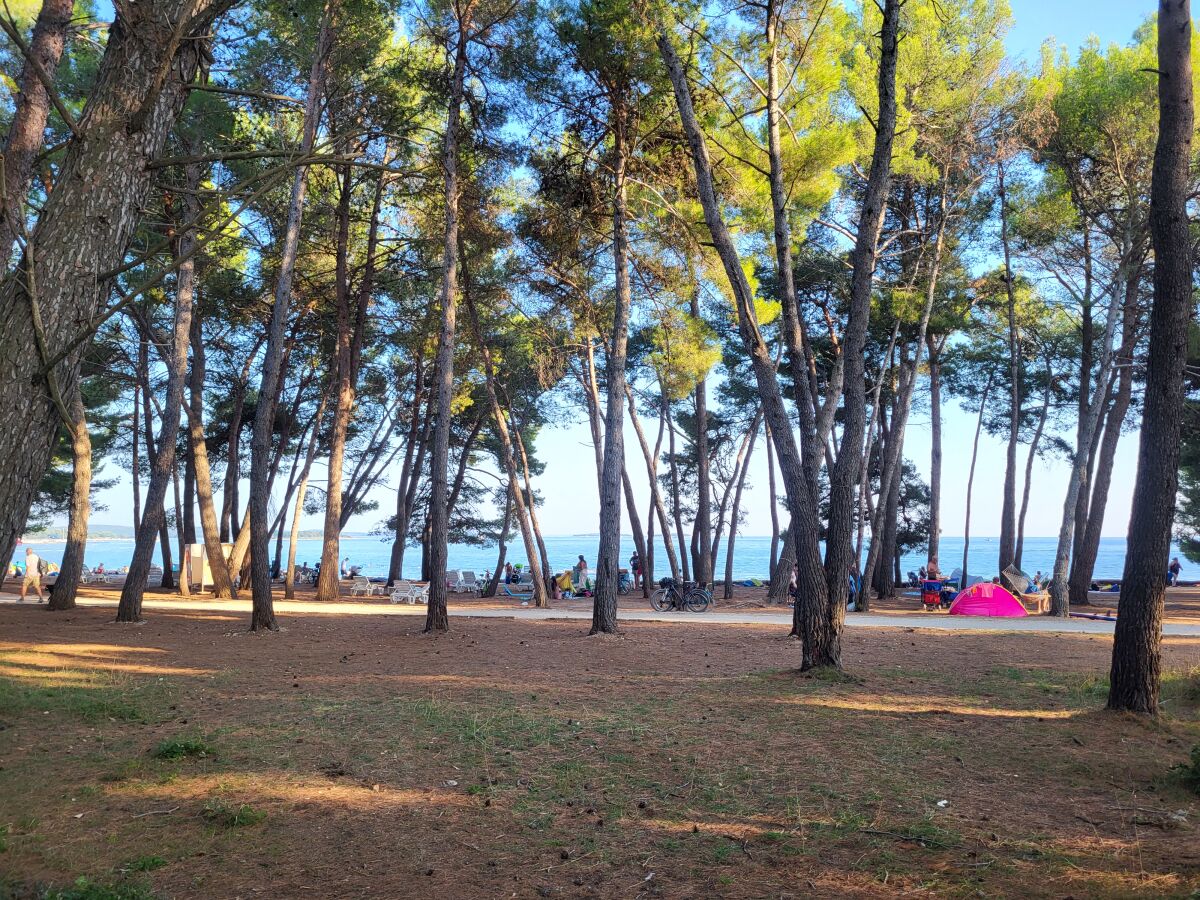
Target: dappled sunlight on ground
<point x="52" y="663"/>
<point x="896" y="705"/>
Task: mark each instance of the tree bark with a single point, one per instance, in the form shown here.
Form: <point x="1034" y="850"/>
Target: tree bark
<point x="263" y="612"/>
<point x="1033" y="448"/>
<point x="163" y="462"/>
<point x="702" y="563"/>
<point x="153" y="51"/>
<point x="222" y="585"/>
<point x="844" y="478"/>
<point x="656" y="500"/>
<point x="62" y="595"/>
<point x="820" y="620"/>
<point x="1008" y="506"/>
<point x="935" y="450"/>
<point x="737" y="506"/>
<point x="971" y="482"/>
<point x="31" y="110"/>
<point x="676" y="512"/>
<point x="289" y="580"/>
<point x="608" y="557"/>
<point x="436" y="619"/>
<point x="1136" y="665"/>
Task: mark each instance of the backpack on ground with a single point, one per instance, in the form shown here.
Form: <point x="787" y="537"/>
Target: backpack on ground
<point x="43" y="567"/>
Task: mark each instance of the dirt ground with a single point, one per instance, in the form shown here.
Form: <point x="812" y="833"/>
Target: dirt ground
<point x="352" y="756"/>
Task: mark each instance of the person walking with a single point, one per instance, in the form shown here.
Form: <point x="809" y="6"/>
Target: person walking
<point x="1173" y="571"/>
<point x="34" y="565"/>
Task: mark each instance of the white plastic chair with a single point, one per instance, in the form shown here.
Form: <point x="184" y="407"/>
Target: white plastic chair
<point x="419" y="592"/>
<point x="466" y="583"/>
<point x="361" y="585"/>
<point x="403" y="592"/>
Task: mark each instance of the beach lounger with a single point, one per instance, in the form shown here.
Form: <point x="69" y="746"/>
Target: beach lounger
<point x="524" y="590"/>
<point x="467" y="583"/>
<point x="402" y="592"/>
<point x="361" y="585"/>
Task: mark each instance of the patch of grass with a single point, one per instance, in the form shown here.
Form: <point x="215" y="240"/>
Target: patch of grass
<point x="144" y="864"/>
<point x="219" y="812"/>
<point x="86" y="889"/>
<point x="1189" y="772"/>
<point x="3" y="838"/>
<point x="178" y="748"/>
<point x="106" y="696"/>
<point x="1181" y="690"/>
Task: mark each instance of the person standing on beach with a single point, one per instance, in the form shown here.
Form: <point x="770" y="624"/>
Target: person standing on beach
<point x="33" y="575"/>
<point x="1173" y="571"/>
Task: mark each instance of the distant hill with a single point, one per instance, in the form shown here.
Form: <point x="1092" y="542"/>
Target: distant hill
<point x="98" y="532"/>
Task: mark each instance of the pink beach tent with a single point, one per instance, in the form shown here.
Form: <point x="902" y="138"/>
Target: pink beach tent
<point x="987" y="599"/>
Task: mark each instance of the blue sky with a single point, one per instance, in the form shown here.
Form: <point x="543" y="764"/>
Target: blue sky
<point x="568" y="485"/>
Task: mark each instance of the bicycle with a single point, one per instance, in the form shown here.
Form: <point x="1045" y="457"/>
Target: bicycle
<point x="624" y="584"/>
<point x="672" y="595"/>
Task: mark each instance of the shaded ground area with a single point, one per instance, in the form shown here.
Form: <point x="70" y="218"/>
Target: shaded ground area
<point x="355" y="757"/>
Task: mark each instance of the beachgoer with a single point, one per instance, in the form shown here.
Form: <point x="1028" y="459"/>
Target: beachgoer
<point x="1173" y="571"/>
<point x="346" y="567"/>
<point x="921" y="573"/>
<point x="931" y="573"/>
<point x="508" y="573"/>
<point x="635" y="566"/>
<point x="34" y="567"/>
<point x="579" y="572"/>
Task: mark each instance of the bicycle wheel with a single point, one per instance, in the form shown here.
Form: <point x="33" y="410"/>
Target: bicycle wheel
<point x="697" y="600"/>
<point x="660" y="600"/>
<point x="624" y="586"/>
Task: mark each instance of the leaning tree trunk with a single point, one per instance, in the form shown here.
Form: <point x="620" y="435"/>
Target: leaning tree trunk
<point x="839" y="550"/>
<point x="163" y="462"/>
<point x="1034" y="442"/>
<point x="819" y="620"/>
<point x="1135" y="676"/>
<point x="436" y="616"/>
<point x="608" y="557"/>
<point x="62" y="595"/>
<point x="262" y="616"/>
<point x="222" y="586"/>
<point x="153" y="51"/>
<point x="656" y="500"/>
<point x="737" y="508"/>
<point x="30" y="113"/>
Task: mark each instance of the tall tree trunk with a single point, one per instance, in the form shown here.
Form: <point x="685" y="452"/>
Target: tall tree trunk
<point x="1059" y="595"/>
<point x="1083" y="561"/>
<point x="1008" y="506"/>
<point x="656" y="501"/>
<point x="1029" y="479"/>
<point x="515" y="494"/>
<point x="262" y="616"/>
<point x="820" y="622"/>
<point x="153" y="51"/>
<point x="222" y="584"/>
<point x="772" y="495"/>
<point x="163" y="462"/>
<point x="608" y="557"/>
<point x="935" y="450"/>
<point x="702" y="562"/>
<point x="135" y="474"/>
<point x="31" y="110"/>
<point x="1136" y="666"/>
<point x="676" y="512"/>
<point x="182" y="584"/>
<point x="408" y="472"/>
<point x="62" y="595"/>
<point x="782" y="575"/>
<point x="737" y="508"/>
<point x="519" y="441"/>
<point x="289" y="581"/>
<point x="328" y="582"/>
<point x="493" y="584"/>
<point x="844" y="478"/>
<point x="436" y="618"/>
<point x="971" y="482"/>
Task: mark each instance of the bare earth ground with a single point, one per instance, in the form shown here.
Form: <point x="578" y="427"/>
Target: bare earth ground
<point x="351" y="756"/>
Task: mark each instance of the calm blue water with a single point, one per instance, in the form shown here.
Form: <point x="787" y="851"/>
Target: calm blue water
<point x="751" y="556"/>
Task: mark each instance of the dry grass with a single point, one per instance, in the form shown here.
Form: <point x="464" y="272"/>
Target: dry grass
<point x="354" y="757"/>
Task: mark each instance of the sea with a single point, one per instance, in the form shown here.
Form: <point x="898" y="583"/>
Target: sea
<point x="751" y="555"/>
